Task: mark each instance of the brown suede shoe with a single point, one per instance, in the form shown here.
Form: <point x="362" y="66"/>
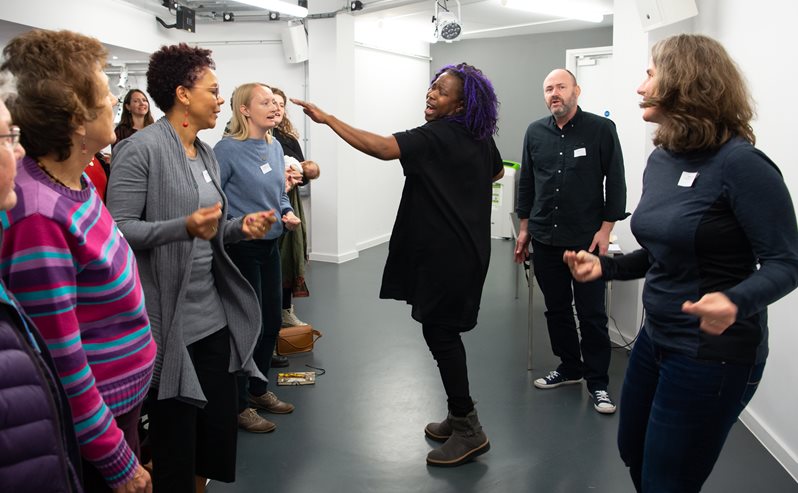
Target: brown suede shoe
<point x="270" y="403"/>
<point x="252" y="422"/>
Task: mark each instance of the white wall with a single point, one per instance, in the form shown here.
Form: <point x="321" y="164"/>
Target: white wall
<point x="748" y="31"/>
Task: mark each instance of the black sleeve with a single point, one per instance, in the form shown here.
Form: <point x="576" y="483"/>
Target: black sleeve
<point x="625" y="267"/>
<point x="526" y="184"/>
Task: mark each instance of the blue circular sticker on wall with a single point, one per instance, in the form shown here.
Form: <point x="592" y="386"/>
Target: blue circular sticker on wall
<point x="606" y="113"/>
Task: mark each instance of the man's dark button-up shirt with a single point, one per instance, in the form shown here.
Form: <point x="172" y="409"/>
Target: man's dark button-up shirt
<point x="562" y="190"/>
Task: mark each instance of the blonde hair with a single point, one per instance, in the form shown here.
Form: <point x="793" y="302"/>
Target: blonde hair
<point x="701" y="94"/>
<point x="239" y="125"/>
<point x="285" y="126"/>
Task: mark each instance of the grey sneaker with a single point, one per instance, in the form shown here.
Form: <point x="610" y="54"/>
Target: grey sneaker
<point x="270" y="403"/>
<point x="602" y="402"/>
<point x="554" y="379"/>
<point x="289" y="318"/>
<point x="252" y="422"/>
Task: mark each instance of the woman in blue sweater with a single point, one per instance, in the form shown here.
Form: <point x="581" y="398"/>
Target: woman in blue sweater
<point x="720" y="243"/>
<point x="252" y="168"/>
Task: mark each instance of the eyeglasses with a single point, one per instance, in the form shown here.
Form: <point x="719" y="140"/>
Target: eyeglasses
<point x="11" y="139"/>
<point x="212" y="89"/>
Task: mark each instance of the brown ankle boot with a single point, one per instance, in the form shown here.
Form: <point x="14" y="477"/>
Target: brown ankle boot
<point x="466" y="442"/>
<point x="440" y="432"/>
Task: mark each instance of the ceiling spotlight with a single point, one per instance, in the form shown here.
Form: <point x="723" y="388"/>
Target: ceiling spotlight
<point x="274" y="16"/>
<point x="447" y="25"/>
<point x="228" y="17"/>
<point x="355" y="5"/>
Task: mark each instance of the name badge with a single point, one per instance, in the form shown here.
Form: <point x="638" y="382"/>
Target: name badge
<point x="206" y="176"/>
<point x="580" y="152"/>
<point x="687" y="179"/>
<point x="265" y="168"/>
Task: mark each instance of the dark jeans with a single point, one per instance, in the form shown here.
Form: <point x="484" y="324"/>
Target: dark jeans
<point x="447" y="348"/>
<point x="675" y="414"/>
<point x="259" y="262"/>
<point x="560" y="291"/>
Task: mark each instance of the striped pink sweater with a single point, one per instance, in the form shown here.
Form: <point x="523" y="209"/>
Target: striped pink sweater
<point x="75" y="275"/>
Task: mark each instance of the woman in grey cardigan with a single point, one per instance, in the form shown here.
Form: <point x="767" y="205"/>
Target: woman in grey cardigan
<point x="166" y="196"/>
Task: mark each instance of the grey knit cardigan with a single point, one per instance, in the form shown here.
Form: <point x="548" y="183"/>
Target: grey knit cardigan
<point x="150" y="192"/>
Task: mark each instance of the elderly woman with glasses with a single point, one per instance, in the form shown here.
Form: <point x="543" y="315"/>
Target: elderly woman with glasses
<point x="63" y="257"/>
<point x="166" y="194"/>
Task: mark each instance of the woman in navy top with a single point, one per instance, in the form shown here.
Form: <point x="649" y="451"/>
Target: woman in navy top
<point x="720" y="243"/>
<point x="440" y="246"/>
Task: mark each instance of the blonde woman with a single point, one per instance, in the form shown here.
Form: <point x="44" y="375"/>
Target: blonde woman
<point x="252" y="172"/>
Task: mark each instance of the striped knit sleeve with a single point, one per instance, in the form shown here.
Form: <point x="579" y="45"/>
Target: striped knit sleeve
<point x="39" y="267"/>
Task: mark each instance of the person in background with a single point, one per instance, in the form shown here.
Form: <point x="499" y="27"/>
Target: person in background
<point x="97" y="174"/>
<point x="293" y="244"/>
<point x="441" y="275"/>
<point x="571" y="192"/>
<point x="719" y="244"/>
<point x="135" y="115"/>
<point x="252" y="177"/>
<point x="63" y="257"/>
<point x="166" y="195"/>
<point x="37" y="440"/>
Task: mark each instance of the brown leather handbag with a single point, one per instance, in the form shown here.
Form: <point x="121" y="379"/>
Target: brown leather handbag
<point x="298" y="339"/>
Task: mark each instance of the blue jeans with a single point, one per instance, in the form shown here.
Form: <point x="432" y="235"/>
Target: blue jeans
<point x="259" y="263"/>
<point x="675" y="414"/>
<point x="559" y="292"/>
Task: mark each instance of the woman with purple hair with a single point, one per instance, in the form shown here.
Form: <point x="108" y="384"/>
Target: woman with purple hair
<point x="441" y="275"/>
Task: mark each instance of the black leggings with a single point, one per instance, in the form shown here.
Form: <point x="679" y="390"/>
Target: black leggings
<point x="447" y="348"/>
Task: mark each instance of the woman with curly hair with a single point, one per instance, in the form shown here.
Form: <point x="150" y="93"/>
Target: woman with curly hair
<point x="714" y="257"/>
<point x="166" y="194"/>
<point x="449" y="164"/>
<point x="135" y="115"/>
<point x="63" y="257"/>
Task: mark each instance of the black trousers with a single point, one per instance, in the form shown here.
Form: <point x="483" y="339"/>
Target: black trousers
<point x="188" y="441"/>
<point x="446" y="346"/>
<point x="590" y="357"/>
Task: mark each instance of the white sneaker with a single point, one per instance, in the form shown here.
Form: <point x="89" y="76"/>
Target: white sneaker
<point x="289" y="318"/>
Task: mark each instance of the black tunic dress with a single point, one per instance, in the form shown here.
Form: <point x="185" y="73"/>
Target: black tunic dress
<point x="440" y="246"/>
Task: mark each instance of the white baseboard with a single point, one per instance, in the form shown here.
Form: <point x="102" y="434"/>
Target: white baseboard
<point x="771" y="442"/>
<point x="334" y="258"/>
<point x="378" y="240"/>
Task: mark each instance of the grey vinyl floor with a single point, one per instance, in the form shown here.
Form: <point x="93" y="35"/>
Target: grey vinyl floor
<point x="360" y="428"/>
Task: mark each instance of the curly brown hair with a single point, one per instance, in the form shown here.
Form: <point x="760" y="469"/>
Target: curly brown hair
<point x="701" y="94"/>
<point x="173" y="66"/>
<point x="56" y="89"/>
<point x="285" y="127"/>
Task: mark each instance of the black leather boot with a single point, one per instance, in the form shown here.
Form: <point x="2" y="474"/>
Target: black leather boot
<point x="466" y="442"/>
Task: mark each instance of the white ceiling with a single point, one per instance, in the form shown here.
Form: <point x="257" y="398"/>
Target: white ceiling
<point x="412" y="18"/>
<point x="480" y="18"/>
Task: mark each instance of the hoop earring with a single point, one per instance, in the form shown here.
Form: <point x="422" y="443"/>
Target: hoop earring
<point x="185" y="118"/>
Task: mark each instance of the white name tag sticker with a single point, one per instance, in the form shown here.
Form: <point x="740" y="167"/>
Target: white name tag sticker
<point x="265" y="168"/>
<point x="687" y="179"/>
<point x="206" y="176"/>
<point x="580" y="152"/>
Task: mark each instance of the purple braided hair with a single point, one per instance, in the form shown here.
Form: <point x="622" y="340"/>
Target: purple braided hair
<point x="481" y="112"/>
